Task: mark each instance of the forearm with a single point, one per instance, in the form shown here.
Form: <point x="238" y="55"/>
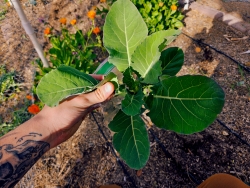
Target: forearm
<point x="21" y="148"/>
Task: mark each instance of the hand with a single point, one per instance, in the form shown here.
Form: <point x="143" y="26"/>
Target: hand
<point x="63" y="120"/>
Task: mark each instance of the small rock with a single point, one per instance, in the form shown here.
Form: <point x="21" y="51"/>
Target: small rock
<point x="225" y="133"/>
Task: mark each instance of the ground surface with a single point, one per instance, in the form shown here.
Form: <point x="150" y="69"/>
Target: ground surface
<point x="86" y="160"/>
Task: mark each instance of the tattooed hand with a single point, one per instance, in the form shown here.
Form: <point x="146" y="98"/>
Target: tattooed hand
<point x="22" y="147"/>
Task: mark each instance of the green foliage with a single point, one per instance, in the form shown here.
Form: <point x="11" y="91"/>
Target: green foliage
<point x="185" y="104"/>
<point x="3" y="12"/>
<point x="18" y="117"/>
<point x="75" y="50"/>
<point x="8" y="85"/>
<point x="159" y="15"/>
<point x="63" y="82"/>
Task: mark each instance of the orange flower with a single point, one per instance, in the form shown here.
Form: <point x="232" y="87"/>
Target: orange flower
<point x="63" y="21"/>
<point x="73" y="22"/>
<point x="47" y="31"/>
<point x="173" y="7"/>
<point x="96" y="30"/>
<point x="29" y="97"/>
<point x="91" y="14"/>
<point x="33" y="109"/>
<point x="102" y="1"/>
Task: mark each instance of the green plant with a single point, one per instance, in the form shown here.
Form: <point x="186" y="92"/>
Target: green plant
<point x="3" y="12"/>
<point x="160" y="14"/>
<point x="75" y="50"/>
<point x="184" y="104"/>
<point x="18" y="117"/>
<point x="8" y="85"/>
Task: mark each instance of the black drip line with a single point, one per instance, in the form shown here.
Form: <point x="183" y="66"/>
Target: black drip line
<point x="113" y="152"/>
<point x="164" y="149"/>
<point x="219" y="51"/>
<point x="169" y="155"/>
<point x="233" y="132"/>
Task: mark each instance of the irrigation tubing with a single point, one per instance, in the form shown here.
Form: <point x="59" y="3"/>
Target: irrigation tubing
<point x="164" y="149"/>
<point x="178" y="165"/>
<point x="220" y="52"/>
<point x="113" y="152"/>
<point x="233" y="132"/>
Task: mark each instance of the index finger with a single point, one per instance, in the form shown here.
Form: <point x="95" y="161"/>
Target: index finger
<point x="97" y="76"/>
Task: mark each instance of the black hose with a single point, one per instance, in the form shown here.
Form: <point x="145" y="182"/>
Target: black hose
<point x="113" y="152"/>
<point x="219" y="51"/>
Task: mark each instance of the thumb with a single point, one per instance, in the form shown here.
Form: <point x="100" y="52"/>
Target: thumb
<point x="100" y="94"/>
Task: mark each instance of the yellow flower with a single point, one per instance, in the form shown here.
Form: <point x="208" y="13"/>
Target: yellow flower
<point x="173" y="7"/>
<point x="96" y="30"/>
<point x="102" y="1"/>
<point x="73" y="22"/>
<point x="91" y="14"/>
<point x="47" y="31"/>
<point x="63" y="21"/>
<point x="161" y="4"/>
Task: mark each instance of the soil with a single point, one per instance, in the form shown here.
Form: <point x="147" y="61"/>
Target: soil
<point x="86" y="160"/>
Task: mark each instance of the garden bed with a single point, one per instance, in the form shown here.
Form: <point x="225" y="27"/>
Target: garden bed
<point x="86" y="161"/>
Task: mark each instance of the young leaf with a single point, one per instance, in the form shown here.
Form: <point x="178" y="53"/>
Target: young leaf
<point x="124" y="30"/>
<point x="131" y="84"/>
<point x="62" y="83"/>
<point x="131" y="104"/>
<point x="146" y="56"/>
<point x="186" y="104"/>
<point x="130" y="139"/>
<point x="172" y="61"/>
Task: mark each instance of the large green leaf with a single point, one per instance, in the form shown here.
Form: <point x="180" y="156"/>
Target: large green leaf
<point x="124" y="30"/>
<point x="186" y="104"/>
<point x="146" y="56"/>
<point x="131" y="104"/>
<point x="62" y="83"/>
<point x="172" y="60"/>
<point x="130" y="139"/>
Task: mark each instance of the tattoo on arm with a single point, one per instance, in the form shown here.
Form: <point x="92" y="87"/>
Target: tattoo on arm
<point x="16" y="160"/>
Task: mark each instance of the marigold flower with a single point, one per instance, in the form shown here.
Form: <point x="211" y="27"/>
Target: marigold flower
<point x="102" y="1"/>
<point x="96" y="30"/>
<point x="63" y="21"/>
<point x="173" y="7"/>
<point x="91" y="14"/>
<point x="47" y="31"/>
<point x="73" y="22"/>
<point x="33" y="109"/>
<point x="29" y="97"/>
<point x="197" y="49"/>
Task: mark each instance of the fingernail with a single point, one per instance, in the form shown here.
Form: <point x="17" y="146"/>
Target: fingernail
<point x="108" y="88"/>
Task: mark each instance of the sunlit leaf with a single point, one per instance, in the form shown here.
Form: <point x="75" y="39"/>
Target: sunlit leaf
<point x="124" y="30"/>
<point x="130" y="139"/>
<point x="146" y="56"/>
<point x="186" y="104"/>
<point x="62" y="83"/>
